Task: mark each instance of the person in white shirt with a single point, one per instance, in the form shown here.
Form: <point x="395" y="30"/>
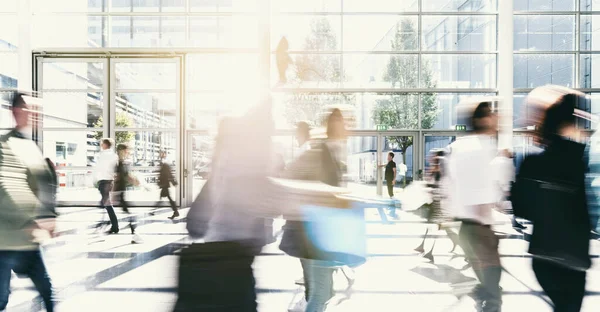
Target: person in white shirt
<point x="402" y="169"/>
<point x="105" y="174"/>
<point x="474" y="190"/>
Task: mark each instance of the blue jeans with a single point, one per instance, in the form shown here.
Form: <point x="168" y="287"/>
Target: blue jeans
<point x="320" y="283"/>
<point x="31" y="264"/>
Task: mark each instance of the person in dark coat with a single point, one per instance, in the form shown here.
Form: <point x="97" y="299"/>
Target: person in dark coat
<point x="554" y="200"/>
<point x="165" y="179"/>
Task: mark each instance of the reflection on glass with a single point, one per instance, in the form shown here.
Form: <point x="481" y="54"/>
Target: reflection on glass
<point x="9" y="33"/>
<point x="290" y="108"/>
<point x="544" y="32"/>
<point x="75" y="31"/>
<point x="591" y="104"/>
<point x="460" y="5"/>
<point x="361" y="165"/>
<point x="147" y="75"/>
<point x="436" y="142"/>
<point x="459" y="33"/>
<point x="9" y="68"/>
<point x="85" y="109"/>
<point x="202" y="148"/>
<point x="381" y="71"/>
<point x="71" y="148"/>
<point x="458" y="71"/>
<point x="147" y="110"/>
<point x="381" y="6"/>
<point x="537" y="70"/>
<point x="223" y="5"/>
<point x="6" y="118"/>
<point x="520" y="116"/>
<point x="72" y="75"/>
<point x="438" y="110"/>
<point x="45" y="6"/>
<point x="307" y="33"/>
<point x="546" y="5"/>
<point x="385" y="33"/>
<point x="306" y="6"/>
<point x="589" y="32"/>
<point x="147" y="31"/>
<point x="145" y="146"/>
<point x="312" y="71"/>
<point x="147" y="6"/>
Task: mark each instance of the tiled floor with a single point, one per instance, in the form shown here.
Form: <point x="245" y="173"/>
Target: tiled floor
<point x="92" y="272"/>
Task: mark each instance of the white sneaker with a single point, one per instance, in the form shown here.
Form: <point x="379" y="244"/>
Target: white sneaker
<point x="137" y="239"/>
<point x="300" y="306"/>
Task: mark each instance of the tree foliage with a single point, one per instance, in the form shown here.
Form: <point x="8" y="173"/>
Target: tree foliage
<point x="401" y="111"/>
<point x="122" y="121"/>
<point x="318" y="69"/>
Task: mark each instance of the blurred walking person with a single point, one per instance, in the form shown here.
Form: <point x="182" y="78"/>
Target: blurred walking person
<point x="324" y="162"/>
<point x="124" y="180"/>
<point x="105" y="175"/>
<point x="27" y="216"/>
<point x="165" y="179"/>
<point x="438" y="213"/>
<point x="473" y="191"/>
<point x="555" y="200"/>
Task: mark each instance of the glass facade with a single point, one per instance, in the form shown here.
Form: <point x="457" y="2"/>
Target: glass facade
<point x="395" y="65"/>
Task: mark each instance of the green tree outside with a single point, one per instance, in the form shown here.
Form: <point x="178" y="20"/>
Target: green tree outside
<point x="122" y="121"/>
<point x="401" y="111"/>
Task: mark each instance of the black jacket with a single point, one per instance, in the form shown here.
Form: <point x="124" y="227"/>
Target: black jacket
<point x="165" y="177"/>
<point x="550" y="192"/>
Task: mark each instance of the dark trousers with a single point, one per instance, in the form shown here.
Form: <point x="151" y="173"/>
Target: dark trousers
<point x="216" y="277"/>
<point x="390" y="187"/>
<point x="164" y="192"/>
<point x="480" y="245"/>
<point x="31" y="264"/>
<point x="564" y="286"/>
<point x="125" y="206"/>
<point x="105" y="186"/>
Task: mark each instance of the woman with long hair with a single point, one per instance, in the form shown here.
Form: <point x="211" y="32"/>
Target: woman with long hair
<point x="550" y="192"/>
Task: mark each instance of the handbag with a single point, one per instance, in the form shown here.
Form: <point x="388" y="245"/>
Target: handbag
<point x="216" y="276"/>
<point x="336" y="235"/>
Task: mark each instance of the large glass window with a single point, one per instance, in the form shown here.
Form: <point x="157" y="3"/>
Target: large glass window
<point x="544" y="32"/>
<point x="534" y="70"/>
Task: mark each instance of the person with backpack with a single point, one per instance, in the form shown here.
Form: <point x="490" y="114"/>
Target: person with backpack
<point x="555" y="200"/>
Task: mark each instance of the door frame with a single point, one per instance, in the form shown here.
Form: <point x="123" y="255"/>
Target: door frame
<point x="110" y="59"/>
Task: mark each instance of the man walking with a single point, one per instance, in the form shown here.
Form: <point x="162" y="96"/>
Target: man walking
<point x="165" y="179"/>
<point x="105" y="174"/>
<point x="473" y="190"/>
<point x="26" y="214"/>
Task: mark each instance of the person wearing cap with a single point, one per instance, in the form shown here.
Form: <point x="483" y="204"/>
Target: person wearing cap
<point x="473" y="192"/>
<point x="26" y="215"/>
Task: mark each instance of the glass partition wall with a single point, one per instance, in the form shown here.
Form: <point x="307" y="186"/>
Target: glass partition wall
<point x="394" y="66"/>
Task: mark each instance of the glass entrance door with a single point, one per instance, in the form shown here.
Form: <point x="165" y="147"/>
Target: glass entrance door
<point x="144" y="114"/>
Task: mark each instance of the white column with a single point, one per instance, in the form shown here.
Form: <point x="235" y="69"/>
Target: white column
<point x="24" y="49"/>
<point x="264" y="47"/>
<point x="505" y="72"/>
